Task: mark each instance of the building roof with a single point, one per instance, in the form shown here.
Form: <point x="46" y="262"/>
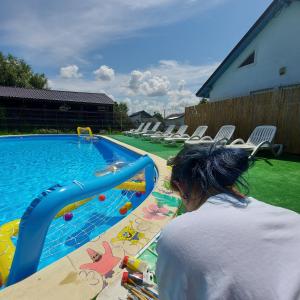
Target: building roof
<point x="174" y="116"/>
<point x="259" y="25"/>
<point x="53" y="95"/>
<point x="142" y="112"/>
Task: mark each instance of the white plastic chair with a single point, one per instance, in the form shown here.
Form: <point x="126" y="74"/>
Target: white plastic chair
<point x="145" y="129"/>
<point x="134" y="130"/>
<point x="222" y="137"/>
<point x="151" y="131"/>
<point x="181" y="130"/>
<point x="261" y="138"/>
<point x="198" y="133"/>
<point x="164" y="134"/>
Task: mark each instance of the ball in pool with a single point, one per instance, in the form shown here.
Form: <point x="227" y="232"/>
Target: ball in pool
<point x="68" y="216"/>
<point x="101" y="197"/>
<point x="128" y="205"/>
<point x="138" y="194"/>
<point x="123" y="210"/>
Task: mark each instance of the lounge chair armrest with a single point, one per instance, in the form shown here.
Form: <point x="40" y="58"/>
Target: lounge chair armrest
<point x="185" y="136"/>
<point x="264" y="143"/>
<point x="222" y="141"/>
<point x="206" y="138"/>
<point x="238" y="141"/>
<point x="175" y="135"/>
<point x="259" y="146"/>
<point x="195" y="137"/>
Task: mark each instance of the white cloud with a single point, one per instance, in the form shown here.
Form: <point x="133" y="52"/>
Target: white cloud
<point x="181" y="84"/>
<point x="180" y="98"/>
<point x="71" y="71"/>
<point x="169" y="85"/>
<point x="105" y="73"/>
<point x="56" y="32"/>
<point x="148" y="84"/>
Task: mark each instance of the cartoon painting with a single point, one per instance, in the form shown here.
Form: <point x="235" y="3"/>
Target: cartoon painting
<point x="129" y="234"/>
<point x="101" y="263"/>
<point x="167" y="200"/>
<point x="154" y="212"/>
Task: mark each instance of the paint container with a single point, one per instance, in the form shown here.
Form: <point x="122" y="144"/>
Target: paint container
<point x="137" y="277"/>
<point x="134" y="264"/>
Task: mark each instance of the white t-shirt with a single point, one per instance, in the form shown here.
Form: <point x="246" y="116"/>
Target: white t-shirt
<point x="231" y="251"/>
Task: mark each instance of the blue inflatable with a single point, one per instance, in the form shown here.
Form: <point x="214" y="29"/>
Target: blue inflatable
<point x="37" y="218"/>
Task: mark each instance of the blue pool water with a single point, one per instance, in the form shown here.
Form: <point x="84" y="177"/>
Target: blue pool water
<point x="30" y="165"/>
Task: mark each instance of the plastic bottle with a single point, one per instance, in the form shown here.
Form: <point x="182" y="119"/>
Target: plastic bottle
<point x="137" y="278"/>
<point x="134" y="264"/>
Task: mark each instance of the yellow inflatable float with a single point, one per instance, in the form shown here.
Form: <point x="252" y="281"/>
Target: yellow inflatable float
<point x="7" y="248"/>
<point x="10" y="230"/>
<point x="85" y="132"/>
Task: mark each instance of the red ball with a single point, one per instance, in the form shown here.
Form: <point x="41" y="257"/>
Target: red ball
<point x="101" y="197"/>
<point x="123" y="210"/>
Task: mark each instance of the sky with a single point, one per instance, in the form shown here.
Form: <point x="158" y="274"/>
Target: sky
<point x="152" y="54"/>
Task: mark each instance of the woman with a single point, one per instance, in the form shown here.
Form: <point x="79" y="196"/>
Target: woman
<point x="227" y="246"/>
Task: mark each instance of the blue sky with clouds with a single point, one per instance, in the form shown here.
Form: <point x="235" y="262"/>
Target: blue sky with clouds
<point x="152" y="54"/>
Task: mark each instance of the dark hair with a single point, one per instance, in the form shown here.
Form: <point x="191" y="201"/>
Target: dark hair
<point x="203" y="169"/>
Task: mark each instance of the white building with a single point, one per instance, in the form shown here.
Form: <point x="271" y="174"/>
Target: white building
<point x="267" y="57"/>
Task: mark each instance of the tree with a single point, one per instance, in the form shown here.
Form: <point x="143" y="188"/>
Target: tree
<point x="121" y="115"/>
<point x="16" y="72"/>
<point x="203" y="101"/>
<point x="122" y="108"/>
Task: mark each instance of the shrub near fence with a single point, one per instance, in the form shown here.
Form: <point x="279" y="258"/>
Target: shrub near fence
<point x="279" y="107"/>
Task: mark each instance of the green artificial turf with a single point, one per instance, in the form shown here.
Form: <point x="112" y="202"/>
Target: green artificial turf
<point x="274" y="181"/>
<point x="155" y="148"/>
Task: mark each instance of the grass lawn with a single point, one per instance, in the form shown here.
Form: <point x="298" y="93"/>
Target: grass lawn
<point x="275" y="181"/>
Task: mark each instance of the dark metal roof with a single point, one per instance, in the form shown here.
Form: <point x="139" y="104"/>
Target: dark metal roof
<point x="259" y="25"/>
<point x="53" y="95"/>
<point x="142" y="112"/>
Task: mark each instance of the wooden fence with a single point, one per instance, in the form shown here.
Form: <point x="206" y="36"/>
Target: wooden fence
<point x="279" y="107"/>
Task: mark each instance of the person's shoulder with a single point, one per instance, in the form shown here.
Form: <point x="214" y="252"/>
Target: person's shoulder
<point x="218" y="212"/>
<point x="182" y="227"/>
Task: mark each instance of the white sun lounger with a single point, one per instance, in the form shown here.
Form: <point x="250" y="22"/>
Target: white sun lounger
<point x="185" y="137"/>
<point x="145" y="129"/>
<point x="134" y="130"/>
<point x="223" y="136"/>
<point x="151" y="131"/>
<point x="181" y="130"/>
<point x="261" y="138"/>
<point x="166" y="133"/>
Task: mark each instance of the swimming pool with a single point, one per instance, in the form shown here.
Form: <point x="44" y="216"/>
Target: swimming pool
<point x="31" y="164"/>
